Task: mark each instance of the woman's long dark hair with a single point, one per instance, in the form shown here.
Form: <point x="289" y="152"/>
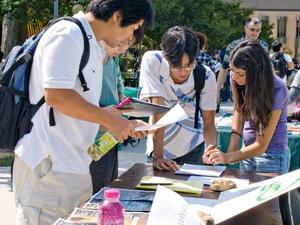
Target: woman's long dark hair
<point x="254" y="100"/>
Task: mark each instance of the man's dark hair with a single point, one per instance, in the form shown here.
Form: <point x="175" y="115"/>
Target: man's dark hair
<point x="132" y="10"/>
<point x="138" y="36"/>
<point x="276" y="46"/>
<point x="176" y="42"/>
<point x="202" y="39"/>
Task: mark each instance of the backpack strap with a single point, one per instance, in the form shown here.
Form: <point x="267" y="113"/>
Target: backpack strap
<point x="12" y="91"/>
<point x="199" y="80"/>
<point x="86" y="49"/>
<point x="83" y="61"/>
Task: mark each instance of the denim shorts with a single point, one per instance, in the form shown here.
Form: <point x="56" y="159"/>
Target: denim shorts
<point x="268" y="162"/>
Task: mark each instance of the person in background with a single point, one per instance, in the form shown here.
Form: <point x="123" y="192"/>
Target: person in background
<point x="294" y="91"/>
<point x="260" y="110"/>
<point x="167" y="78"/>
<point x="105" y="170"/>
<point x="282" y="62"/>
<point x="296" y="59"/>
<point x="202" y="55"/>
<point x="51" y="169"/>
<point x="252" y="31"/>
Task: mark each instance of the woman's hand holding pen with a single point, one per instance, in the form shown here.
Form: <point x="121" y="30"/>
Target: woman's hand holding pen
<point x="213" y="155"/>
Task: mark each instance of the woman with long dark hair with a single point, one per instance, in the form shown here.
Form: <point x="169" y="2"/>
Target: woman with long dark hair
<point x="260" y="112"/>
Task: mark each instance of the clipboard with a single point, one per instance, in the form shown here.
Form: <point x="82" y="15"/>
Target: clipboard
<point x="140" y="108"/>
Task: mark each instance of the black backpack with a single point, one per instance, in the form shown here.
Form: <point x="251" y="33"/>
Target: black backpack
<point x="280" y="64"/>
<point x="199" y="79"/>
<point x="16" y="111"/>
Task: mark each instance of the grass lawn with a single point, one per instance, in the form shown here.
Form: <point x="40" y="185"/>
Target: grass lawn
<point x="6" y="158"/>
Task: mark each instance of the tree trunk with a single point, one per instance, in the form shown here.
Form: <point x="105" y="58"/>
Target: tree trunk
<point x="10" y="33"/>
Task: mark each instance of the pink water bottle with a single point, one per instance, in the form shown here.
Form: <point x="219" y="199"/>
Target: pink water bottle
<point x="111" y="212"/>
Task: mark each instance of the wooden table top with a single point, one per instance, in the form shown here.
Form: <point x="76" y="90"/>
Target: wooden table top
<point x="265" y="214"/>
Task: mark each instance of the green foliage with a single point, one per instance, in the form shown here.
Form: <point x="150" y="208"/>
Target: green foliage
<point x="38" y="10"/>
<point x="266" y="33"/>
<point x="222" y="22"/>
<point x="127" y="62"/>
<point x="6" y="159"/>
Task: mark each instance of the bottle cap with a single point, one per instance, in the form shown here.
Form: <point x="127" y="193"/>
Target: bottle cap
<point x="112" y="193"/>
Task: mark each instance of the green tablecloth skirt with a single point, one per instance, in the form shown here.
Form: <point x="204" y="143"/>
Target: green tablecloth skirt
<point x="293" y="142"/>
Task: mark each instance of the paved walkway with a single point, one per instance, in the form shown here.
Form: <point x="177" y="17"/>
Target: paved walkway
<point x="7" y="206"/>
<point x="127" y="158"/>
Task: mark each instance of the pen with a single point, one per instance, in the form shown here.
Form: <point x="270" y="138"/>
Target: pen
<point x="218" y="147"/>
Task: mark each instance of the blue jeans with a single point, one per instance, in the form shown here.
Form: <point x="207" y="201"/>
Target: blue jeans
<point x="268" y="162"/>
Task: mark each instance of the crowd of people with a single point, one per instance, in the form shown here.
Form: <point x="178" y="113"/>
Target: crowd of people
<point x="56" y="174"/>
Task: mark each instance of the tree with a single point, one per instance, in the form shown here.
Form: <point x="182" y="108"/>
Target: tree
<point x="38" y="10"/>
<point x="222" y="22"/>
<point x="11" y="33"/>
<point x="266" y="33"/>
<point x="17" y="14"/>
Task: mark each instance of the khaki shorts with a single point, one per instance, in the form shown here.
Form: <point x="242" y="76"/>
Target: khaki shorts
<point x="44" y="195"/>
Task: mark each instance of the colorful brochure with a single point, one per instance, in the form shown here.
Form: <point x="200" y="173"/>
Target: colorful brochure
<point x="188" y="187"/>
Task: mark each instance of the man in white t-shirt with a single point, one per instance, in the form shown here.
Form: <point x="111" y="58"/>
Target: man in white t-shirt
<point x="51" y="170"/>
<point x="167" y="78"/>
<point x="294" y="91"/>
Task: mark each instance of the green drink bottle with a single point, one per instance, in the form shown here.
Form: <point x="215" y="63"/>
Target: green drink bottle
<point x="102" y="146"/>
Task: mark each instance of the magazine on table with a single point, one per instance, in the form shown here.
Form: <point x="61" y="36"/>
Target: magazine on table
<point x="130" y="218"/>
<point x="132" y="200"/>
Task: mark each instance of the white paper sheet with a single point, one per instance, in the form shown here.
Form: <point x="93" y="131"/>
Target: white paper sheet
<point x="200" y="170"/>
<point x="169" y="208"/>
<point x="175" y="114"/>
<point x="208" y="180"/>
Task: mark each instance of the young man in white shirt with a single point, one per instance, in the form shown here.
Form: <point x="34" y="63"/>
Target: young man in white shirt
<point x="167" y="78"/>
<point x="51" y="170"/>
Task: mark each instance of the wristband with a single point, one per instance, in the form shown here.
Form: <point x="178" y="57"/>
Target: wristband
<point x="235" y="132"/>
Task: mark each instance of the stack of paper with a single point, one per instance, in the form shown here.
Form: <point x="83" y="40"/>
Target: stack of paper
<point x="200" y="170"/>
<point x="189" y="187"/>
